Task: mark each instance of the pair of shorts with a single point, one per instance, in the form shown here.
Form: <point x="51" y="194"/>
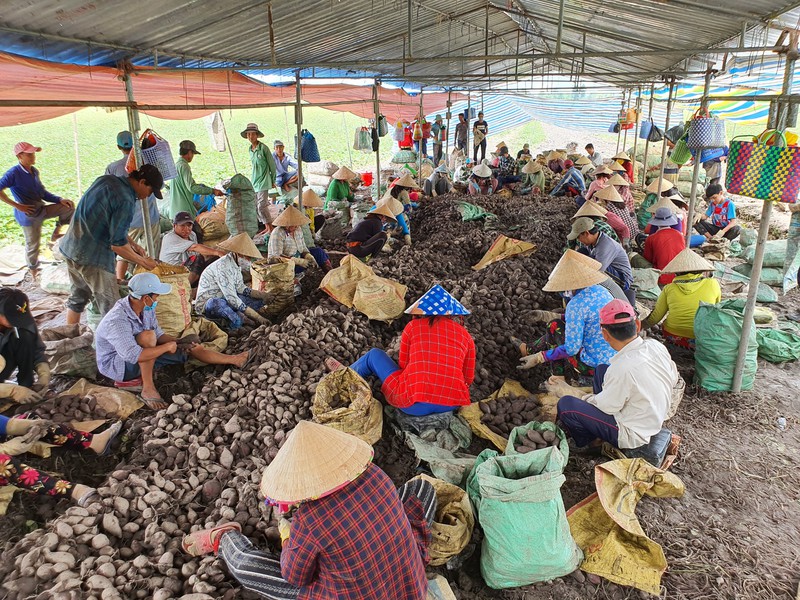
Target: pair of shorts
<point x="134" y="371"/>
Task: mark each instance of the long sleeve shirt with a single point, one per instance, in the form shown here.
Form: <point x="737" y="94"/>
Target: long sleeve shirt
<point x="27" y="189"/>
<point x="612" y="254"/>
<point x="637" y="390"/>
<point x="660" y="248"/>
<point x="264" y="168"/>
<point x="582" y="335"/>
<point x="571" y="179"/>
<point x="625" y="216"/>
<point x="283" y="243"/>
<point x="594" y="187"/>
<point x="183" y="189"/>
<point x="533" y="180"/>
<point x="284" y="166"/>
<point x="621" y="230"/>
<point x="680" y="300"/>
<point x="359" y="543"/>
<point x="338" y="190"/>
<point x="118" y="168"/>
<point x="221" y="279"/>
<point x="437" y="365"/>
<point x="115" y="338"/>
<point x="366" y="229"/>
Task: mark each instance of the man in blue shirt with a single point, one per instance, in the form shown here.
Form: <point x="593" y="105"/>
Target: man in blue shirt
<point x="32" y="202"/>
<point x="99" y="230"/>
<point x="284" y="175"/>
<point x="572" y="182"/>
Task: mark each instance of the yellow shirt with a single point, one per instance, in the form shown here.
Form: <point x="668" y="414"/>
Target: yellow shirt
<point x="680" y="300"/>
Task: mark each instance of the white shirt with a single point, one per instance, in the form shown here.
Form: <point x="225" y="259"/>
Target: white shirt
<point x="175" y="249"/>
<point x="637" y="390"/>
<point x="221" y="279"/>
<point x="596" y="159"/>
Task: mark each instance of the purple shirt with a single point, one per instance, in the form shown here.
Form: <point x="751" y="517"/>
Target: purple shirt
<point x="115" y="338"/>
<point x="27" y="188"/>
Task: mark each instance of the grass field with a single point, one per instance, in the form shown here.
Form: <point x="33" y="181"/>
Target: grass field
<point x="96" y="138"/>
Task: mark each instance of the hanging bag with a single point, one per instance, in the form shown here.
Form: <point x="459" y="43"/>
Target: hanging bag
<point x="765" y="172"/>
<point x="656" y="134"/>
<point x="681" y="154"/>
<point x="613" y="128"/>
<point x="157" y="153"/>
<point x="706" y="131"/>
<point x="383" y="126"/>
<point x="309" y="152"/>
<point x="676" y="132"/>
<point x="645" y="128"/>
<point x="417" y="135"/>
<point x="399" y="132"/>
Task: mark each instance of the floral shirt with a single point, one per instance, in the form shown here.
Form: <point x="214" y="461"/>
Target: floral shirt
<point x="221" y="279"/>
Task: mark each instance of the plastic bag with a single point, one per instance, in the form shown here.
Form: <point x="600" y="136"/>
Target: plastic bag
<point x="774" y="253"/>
<point x="718" y="331"/>
<point x="343" y="400"/>
<point x="779" y="345"/>
<point x="69" y="351"/>
<point x="452" y="526"/>
<point x="769" y="275"/>
<point x="526" y="534"/>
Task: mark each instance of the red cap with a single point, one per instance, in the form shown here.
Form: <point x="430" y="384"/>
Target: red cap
<point x="568" y="163"/>
<point x="25" y="147"/>
<point x="616" y="312"/>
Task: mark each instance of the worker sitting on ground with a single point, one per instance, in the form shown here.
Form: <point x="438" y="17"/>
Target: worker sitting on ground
<point x="605" y="221"/>
<point x="601" y="177"/>
<point x="131" y="345"/>
<point x="403" y="189"/>
<point x="19" y="434"/>
<point x="625" y="161"/>
<point x="312" y="204"/>
<point x="180" y="247"/>
<point x="286" y="242"/>
<point x="555" y="162"/>
<point x="397" y="209"/>
<point x="720" y="218"/>
<point x="506" y="169"/>
<point x="346" y="531"/>
<point x="680" y="299"/>
<point x="532" y="181"/>
<point x="285" y="168"/>
<point x="438" y="183"/>
<point x="368" y="237"/>
<point x="624" y="190"/>
<point x="339" y="195"/>
<point x="436" y="362"/>
<point x="662" y="246"/>
<point x="481" y="182"/>
<point x="571" y="183"/>
<point x="611" y="254"/>
<point x="21" y="350"/>
<point x="656" y="189"/>
<point x="609" y="200"/>
<point x="631" y="394"/>
<point x="221" y="292"/>
<point x="574" y="341"/>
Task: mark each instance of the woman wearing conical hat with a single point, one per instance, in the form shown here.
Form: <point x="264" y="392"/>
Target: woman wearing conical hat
<point x="601" y="177"/>
<point x="400" y="216"/>
<point x="532" y="178"/>
<point x="654" y="191"/>
<point x="481" y="182"/>
<point x="439" y="182"/>
<point x="339" y="188"/>
<point x="555" y="162"/>
<point x="436" y="363"/>
<point x="623" y="188"/>
<point x="286" y="242"/>
<point x="346" y="531"/>
<point x="680" y="299"/>
<point x="623" y="159"/>
<point x="614" y="203"/>
<point x="368" y="237"/>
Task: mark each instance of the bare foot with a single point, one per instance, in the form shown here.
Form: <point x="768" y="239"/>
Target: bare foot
<point x="240" y="360"/>
<point x="333" y="364"/>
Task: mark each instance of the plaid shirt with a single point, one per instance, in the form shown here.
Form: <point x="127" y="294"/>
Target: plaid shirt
<point x="571" y="179"/>
<point x="359" y="543"/>
<point x="115" y="338"/>
<point x="506" y="166"/>
<point x="221" y="279"/>
<point x="437" y="365"/>
<point x="283" y="243"/>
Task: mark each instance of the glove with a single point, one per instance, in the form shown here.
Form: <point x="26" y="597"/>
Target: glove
<point x="301" y="262"/>
<point x="407" y="239"/>
<point x="42" y="376"/>
<point x="18" y="393"/>
<point x="528" y="362"/>
<point x="265" y="297"/>
<point x="284" y="528"/>
<point x="543" y="316"/>
<point x="310" y="262"/>
<point x="251" y="314"/>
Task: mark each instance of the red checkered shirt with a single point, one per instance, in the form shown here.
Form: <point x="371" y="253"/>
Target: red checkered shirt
<point x="359" y="543"/>
<point x="437" y="364"/>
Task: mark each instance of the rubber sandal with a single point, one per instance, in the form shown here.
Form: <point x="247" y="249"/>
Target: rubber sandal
<point x="332" y="364"/>
<point x="153" y="403"/>
<point x="115" y="428"/>
<point x="133" y="385"/>
<point x="203" y="541"/>
<point x="88" y="497"/>
<point x="251" y="356"/>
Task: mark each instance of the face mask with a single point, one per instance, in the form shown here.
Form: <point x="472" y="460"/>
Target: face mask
<point x="152" y="307"/>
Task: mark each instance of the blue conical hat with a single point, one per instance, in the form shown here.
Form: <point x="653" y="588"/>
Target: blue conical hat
<point x="437" y="301"/>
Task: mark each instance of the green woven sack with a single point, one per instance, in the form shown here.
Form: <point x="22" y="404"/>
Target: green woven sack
<point x="718" y="331"/>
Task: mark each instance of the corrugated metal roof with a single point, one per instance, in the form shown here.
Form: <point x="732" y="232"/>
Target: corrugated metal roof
<point x="360" y="34"/>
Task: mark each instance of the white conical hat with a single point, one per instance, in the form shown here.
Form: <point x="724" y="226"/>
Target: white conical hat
<point x="617" y="179"/>
<point x="615" y="166"/>
<point x="621" y="156"/>
<point x="344" y="174"/>
<point x="383" y="210"/>
<point x="608" y="193"/>
<point x="663" y="202"/>
<point x="659" y="186"/>
<point x="482" y="171"/>
<point x="590" y="209"/>
<point x="240" y="244"/>
<point x="688" y="261"/>
<point x="407" y="181"/>
<point x="604" y="170"/>
<point x="531" y="167"/>
<point x="582" y="161"/>
<point x="572" y="275"/>
<point x="393" y="204"/>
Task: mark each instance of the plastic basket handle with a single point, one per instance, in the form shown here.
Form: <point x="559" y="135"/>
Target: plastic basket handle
<point x="765" y="136"/>
<point x="702" y="112"/>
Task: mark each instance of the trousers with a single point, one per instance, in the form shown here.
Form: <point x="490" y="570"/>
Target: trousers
<point x="371" y="247"/>
<point x="218" y="308"/>
<point x="19" y="354"/>
<point x="584" y="422"/>
<point x="33" y="232"/>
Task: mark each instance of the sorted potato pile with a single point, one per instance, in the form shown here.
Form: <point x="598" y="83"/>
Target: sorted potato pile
<point x="536" y="440"/>
<point x="68" y="408"/>
<point x="503" y="414"/>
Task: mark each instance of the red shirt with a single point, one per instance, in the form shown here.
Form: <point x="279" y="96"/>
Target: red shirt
<point x="661" y="247"/>
<point x="437" y="364"/>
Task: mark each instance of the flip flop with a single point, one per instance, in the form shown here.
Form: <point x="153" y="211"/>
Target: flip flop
<point x="203" y="541"/>
<point x="251" y="356"/>
<point x="115" y="428"/>
<point x="332" y="364"/>
<point x="153" y="403"/>
<point x="133" y="385"/>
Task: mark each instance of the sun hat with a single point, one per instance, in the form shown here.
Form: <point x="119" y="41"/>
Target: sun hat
<point x="615" y="166"/>
<point x="436" y="302"/>
<point x="604" y="170"/>
<point x="147" y="283"/>
<point x="617" y="312"/>
<point x="125" y="140"/>
<point x="531" y="167"/>
<point x="590" y="209"/>
<point x="582" y="161"/>
<point x="617" y="179"/>
<point x="182" y="217"/>
<point x="609" y="194"/>
<point x="344" y="174"/>
<point x="659" y="186"/>
<point x="315" y="461"/>
<point x="580" y="226"/>
<point x="663" y="203"/>
<point x="482" y="171"/>
<point x="407" y="181"/>
<point x="526" y="146"/>
<point x="572" y="275"/>
<point x="663" y="217"/>
<point x="152" y="177"/>
<point x="621" y="156"/>
<point x="383" y="210"/>
<point x="21" y="147"/>
<point x="393" y="204"/>
<point x="442" y="168"/>
<point x="311" y="199"/>
<point x="553" y="156"/>
<point x="438" y="118"/>
<point x="188" y="145"/>
<point x="290" y="217"/>
<point x="252" y="127"/>
<point x="15" y="307"/>
<point x="241" y="244"/>
<point x="501" y="145"/>
<point x="585" y="260"/>
<point x="688" y="261"/>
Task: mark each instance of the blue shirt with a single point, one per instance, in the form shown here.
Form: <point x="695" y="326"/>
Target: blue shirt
<point x="115" y="338"/>
<point x="27" y="188"/>
<point x="102" y="219"/>
<point x="285" y="166"/>
<point x="721" y="214"/>
<point x="118" y="168"/>
<point x="572" y="178"/>
<point x="612" y="255"/>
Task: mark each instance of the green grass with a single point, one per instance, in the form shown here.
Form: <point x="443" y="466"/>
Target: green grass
<point x="96" y="139"/>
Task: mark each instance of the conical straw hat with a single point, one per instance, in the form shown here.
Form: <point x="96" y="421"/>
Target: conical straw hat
<point x="688" y="261"/>
<point x="590" y="209"/>
<point x="608" y="193"/>
<point x="501" y="145"/>
<point x="572" y="275"/>
<point x="290" y="217"/>
<point x="604" y="170"/>
<point x="393" y="204"/>
<point x="615" y="166"/>
<point x="315" y="461"/>
<point x="553" y="156"/>
<point x="663" y="202"/>
<point x="582" y="161"/>
<point x="437" y="302"/>
<point x="621" y="156"/>
<point x="311" y="199"/>
<point x="482" y="171"/>
<point x="617" y="179"/>
<point x="383" y="210"/>
<point x="586" y="261"/>
<point x="531" y="167"/>
<point x="407" y="181"/>
<point x="241" y="244"/>
<point x="659" y="186"/>
<point x="344" y="174"/>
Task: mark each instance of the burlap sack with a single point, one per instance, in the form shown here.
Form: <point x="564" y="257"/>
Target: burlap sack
<point x="274" y="278"/>
<point x="69" y="351"/>
<point x="343" y="400"/>
<point x="380" y="299"/>
<point x="504" y="247"/>
<point x="174" y="310"/>
<point x="323" y="167"/>
<point x="452" y="526"/>
<point x="212" y="222"/>
<point x="340" y="283"/>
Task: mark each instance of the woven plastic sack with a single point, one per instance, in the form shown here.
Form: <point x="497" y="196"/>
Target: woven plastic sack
<point x="323" y="167"/>
<point x="769" y="275"/>
<point x="174" y="310"/>
<point x="241" y="215"/>
<point x="343" y="400"/>
<point x="340" y="283"/>
<point x="274" y="278"/>
<point x="779" y="345"/>
<point x="526" y="534"/>
<point x="69" y="350"/>
<point x="380" y="299"/>
<point x="519" y="432"/>
<point x="774" y="253"/>
<point x="718" y="333"/>
<point x="404" y="156"/>
<point x="453" y="523"/>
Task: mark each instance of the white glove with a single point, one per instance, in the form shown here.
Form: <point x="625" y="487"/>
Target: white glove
<point x="42" y="376"/>
<point x="528" y="362"/>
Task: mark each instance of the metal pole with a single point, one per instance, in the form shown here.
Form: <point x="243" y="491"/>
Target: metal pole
<point x="647" y="142"/>
<point x="408" y="33"/>
<point x="378" y="149"/>
<point x="419" y="154"/>
<point x="625" y="137"/>
<point x="447" y="137"/>
<point x="77" y="155"/>
<point x="560" y="27"/>
<point x="469" y="129"/>
<point x="619" y="133"/>
<point x="298" y="119"/>
<point x="763" y="230"/>
<point x="697" y="163"/>
<point x="636" y="133"/>
<point x="666" y="127"/>
<point x="134" y="126"/>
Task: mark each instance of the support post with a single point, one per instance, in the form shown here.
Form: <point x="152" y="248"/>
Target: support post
<point x="791" y="56"/>
<point x="298" y="119"/>
<point x="469" y="127"/>
<point x="666" y="127"/>
<point x="377" y="107"/>
<point x="625" y="137"/>
<point x="636" y="132"/>
<point x="419" y="154"/>
<point x="560" y="28"/>
<point x="647" y="141"/>
<point x="408" y="32"/>
<point x="447" y="137"/>
<point x="619" y="133"/>
<point x="697" y="163"/>
<point x="135" y="126"/>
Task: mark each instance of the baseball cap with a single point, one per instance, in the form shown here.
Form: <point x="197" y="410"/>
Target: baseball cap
<point x="14" y="306"/>
<point x="616" y="312"/>
<point x="152" y="177"/>
<point x="189" y="145"/>
<point x="579" y="226"/>
<point x="147" y="283"/>
<point x="278" y="143"/>
<point x="182" y="217"/>
<point x="125" y="140"/>
<point x="25" y="147"/>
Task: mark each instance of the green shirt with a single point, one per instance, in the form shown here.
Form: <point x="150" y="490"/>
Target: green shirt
<point x="184" y="188"/>
<point x="263" y="168"/>
<point x="338" y="190"/>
